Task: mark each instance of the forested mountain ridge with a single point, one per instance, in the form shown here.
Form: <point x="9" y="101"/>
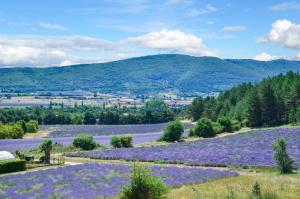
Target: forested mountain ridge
<point x="181" y="74"/>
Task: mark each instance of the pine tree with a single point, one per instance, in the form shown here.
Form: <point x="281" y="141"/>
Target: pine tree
<point x="254" y="108"/>
<point x="268" y="105"/>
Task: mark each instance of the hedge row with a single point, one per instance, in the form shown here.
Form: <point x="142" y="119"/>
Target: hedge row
<point x="12" y="166"/>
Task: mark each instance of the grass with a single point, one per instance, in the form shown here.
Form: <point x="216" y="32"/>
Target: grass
<point x="285" y="186"/>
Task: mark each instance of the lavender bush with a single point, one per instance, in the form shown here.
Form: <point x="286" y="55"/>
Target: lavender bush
<point x="249" y="148"/>
<point x="94" y="180"/>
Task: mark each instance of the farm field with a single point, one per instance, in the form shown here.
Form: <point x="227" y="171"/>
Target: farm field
<point x="92" y="180"/>
<point x="13" y="145"/>
<point x="248" y="148"/>
<point x="99" y="130"/>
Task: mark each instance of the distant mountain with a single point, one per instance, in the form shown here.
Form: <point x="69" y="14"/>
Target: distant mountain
<point x="155" y="74"/>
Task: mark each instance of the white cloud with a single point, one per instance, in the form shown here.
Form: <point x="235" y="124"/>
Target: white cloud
<point x="234" y="28"/>
<point x="42" y="51"/>
<point x="297" y="57"/>
<point x="172" y="40"/>
<point x="208" y="9"/>
<point x="265" y="57"/>
<point x="52" y="26"/>
<point x="292" y="5"/>
<point x="284" y="32"/>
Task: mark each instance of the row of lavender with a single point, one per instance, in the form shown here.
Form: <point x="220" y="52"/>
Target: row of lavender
<point x="94" y="180"/>
<point x="249" y="148"/>
<point x="99" y="130"/>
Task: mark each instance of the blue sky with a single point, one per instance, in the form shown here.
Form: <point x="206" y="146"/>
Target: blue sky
<point x="56" y="32"/>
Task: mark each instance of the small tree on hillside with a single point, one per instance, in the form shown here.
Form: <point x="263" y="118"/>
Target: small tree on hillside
<point x="226" y="123"/>
<point x="204" y="128"/>
<point x="173" y="132"/>
<point x="144" y="186"/>
<point x="284" y="161"/>
<point x="46" y="147"/>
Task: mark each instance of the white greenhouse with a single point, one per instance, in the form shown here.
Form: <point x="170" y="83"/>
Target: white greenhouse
<point x="5" y="155"/>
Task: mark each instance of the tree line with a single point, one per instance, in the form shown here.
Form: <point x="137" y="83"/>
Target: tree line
<point x="273" y="101"/>
<point x="154" y="111"/>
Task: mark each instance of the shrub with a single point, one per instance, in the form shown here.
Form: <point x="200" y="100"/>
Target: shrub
<point x="225" y="122"/>
<point x="256" y="192"/>
<point x="284" y="161"/>
<point x="204" y="128"/>
<point x="15" y="131"/>
<point x="173" y="132"/>
<point x="144" y="186"/>
<point x="85" y="142"/>
<point x="192" y="132"/>
<point x="12" y="166"/>
<point x="116" y="142"/>
<point x="32" y="126"/>
<point x="126" y="141"/>
<point x="236" y="125"/>
<point x="218" y="128"/>
<point x="4" y="133"/>
<point x="123" y="141"/>
<point x="23" y="125"/>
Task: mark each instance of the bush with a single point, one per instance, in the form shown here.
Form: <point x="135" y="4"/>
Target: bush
<point x="123" y="141"/>
<point x="284" y="161"/>
<point x="116" y="142"/>
<point x="236" y="125"/>
<point x="85" y="142"/>
<point x="126" y="141"/>
<point x="12" y="166"/>
<point x="144" y="186"/>
<point x="11" y="131"/>
<point x="218" y="128"/>
<point x="225" y="122"/>
<point x="192" y="132"/>
<point x="204" y="128"/>
<point x="173" y="132"/>
<point x="23" y="125"/>
<point x="32" y="126"/>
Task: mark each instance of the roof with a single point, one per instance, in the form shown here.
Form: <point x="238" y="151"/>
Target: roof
<point x="5" y="155"/>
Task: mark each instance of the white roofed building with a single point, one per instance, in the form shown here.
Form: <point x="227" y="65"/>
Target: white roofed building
<point x="5" y="155"/>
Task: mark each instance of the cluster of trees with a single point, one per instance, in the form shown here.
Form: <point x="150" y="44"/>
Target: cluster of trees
<point x="154" y="111"/>
<point x="273" y="101"/>
<point x="18" y="129"/>
<point x="124" y="141"/>
<point x="207" y="128"/>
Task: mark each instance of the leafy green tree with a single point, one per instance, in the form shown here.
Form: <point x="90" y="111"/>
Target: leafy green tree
<point x="226" y="123"/>
<point x="89" y="118"/>
<point x="126" y="141"/>
<point x="116" y="142"/>
<point x="155" y="105"/>
<point x="46" y="147"/>
<point x="254" y="108"/>
<point x="23" y="125"/>
<point x="32" y="126"/>
<point x="284" y="161"/>
<point x="144" y="186"/>
<point x="196" y="108"/>
<point x="173" y="132"/>
<point x="204" y="128"/>
<point x="85" y="142"/>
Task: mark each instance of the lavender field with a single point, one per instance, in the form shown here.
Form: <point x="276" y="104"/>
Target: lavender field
<point x="12" y="145"/>
<point x="94" y="180"/>
<point x="249" y="148"/>
<point x="99" y="130"/>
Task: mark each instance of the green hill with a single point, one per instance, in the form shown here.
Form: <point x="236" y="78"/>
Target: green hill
<point x="146" y="75"/>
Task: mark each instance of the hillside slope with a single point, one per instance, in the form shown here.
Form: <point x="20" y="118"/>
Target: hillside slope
<point x="146" y="75"/>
